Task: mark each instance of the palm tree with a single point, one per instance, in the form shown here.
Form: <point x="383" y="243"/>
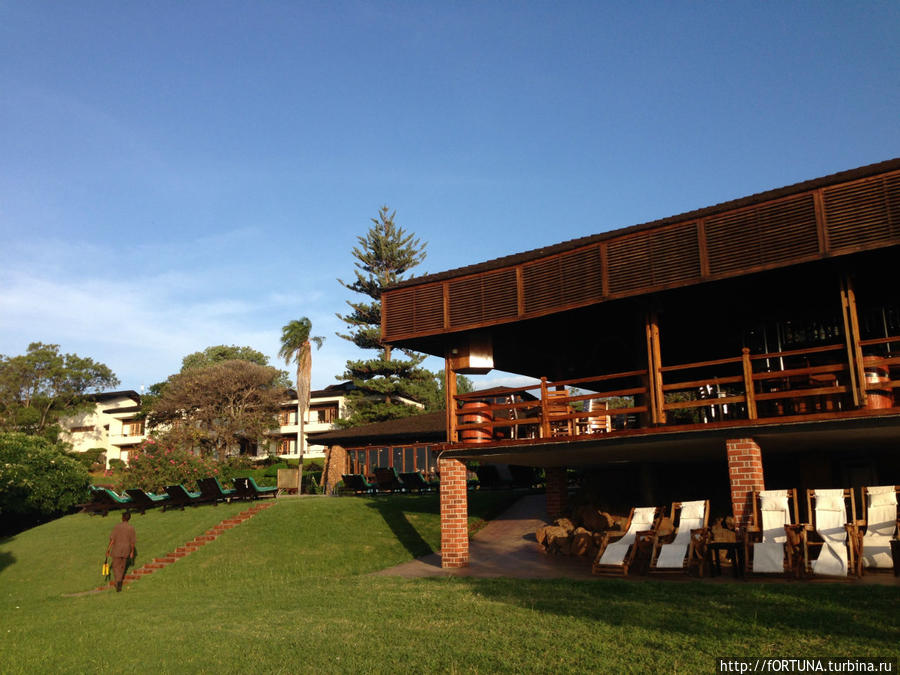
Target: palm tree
<point x="295" y="346"/>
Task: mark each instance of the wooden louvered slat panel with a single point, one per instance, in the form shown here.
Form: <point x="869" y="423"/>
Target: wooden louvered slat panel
<point x="674" y="254"/>
<point x="398" y="307"/>
<point x="465" y="301"/>
<point x="763" y="235"/>
<point x="892" y="194"/>
<point x="582" y="275"/>
<point x="429" y="307"/>
<point x="542" y="285"/>
<point x="731" y="242"/>
<point x="499" y="293"/>
<point x="787" y="229"/>
<point x="856" y="214"/>
<point x="629" y="263"/>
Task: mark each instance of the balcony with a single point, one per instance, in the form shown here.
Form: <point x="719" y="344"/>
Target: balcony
<point x="825" y="382"/>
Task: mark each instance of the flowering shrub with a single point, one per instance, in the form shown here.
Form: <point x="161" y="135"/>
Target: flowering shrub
<point x="38" y="481"/>
<point x="153" y="466"/>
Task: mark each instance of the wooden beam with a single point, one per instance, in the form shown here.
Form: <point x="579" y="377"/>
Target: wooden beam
<point x="450" y="394"/>
<point x="654" y="369"/>
<point x="748" y="383"/>
<point x="851" y="336"/>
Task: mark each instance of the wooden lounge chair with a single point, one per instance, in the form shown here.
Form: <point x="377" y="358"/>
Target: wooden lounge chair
<point x="388" y="480"/>
<point x="559" y="413"/>
<point x="211" y="490"/>
<point x="688" y="547"/>
<point x="617" y="550"/>
<point x="103" y="500"/>
<point x="882" y="524"/>
<point x="414" y="481"/>
<point x="246" y="488"/>
<point x="831" y="532"/>
<point x="179" y="497"/>
<point x="141" y="501"/>
<point x="357" y="483"/>
<point x="767" y="549"/>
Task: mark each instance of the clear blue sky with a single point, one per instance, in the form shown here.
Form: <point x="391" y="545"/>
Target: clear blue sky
<point x="180" y="174"/>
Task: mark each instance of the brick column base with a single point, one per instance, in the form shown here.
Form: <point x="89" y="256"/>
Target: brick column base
<point x="454" y="514"/>
<point x="557" y="490"/>
<point x="745" y="469"/>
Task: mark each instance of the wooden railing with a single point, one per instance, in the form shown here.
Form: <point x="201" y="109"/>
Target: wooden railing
<point x="816" y="381"/>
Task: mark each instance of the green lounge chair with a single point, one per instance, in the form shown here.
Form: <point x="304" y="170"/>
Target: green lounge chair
<point x="388" y="480"/>
<point x="104" y="500"/>
<point x="180" y="497"/>
<point x="146" y="500"/>
<point x="358" y="484"/>
<point x="212" y="491"/>
<point x="414" y="481"/>
<point x="248" y="489"/>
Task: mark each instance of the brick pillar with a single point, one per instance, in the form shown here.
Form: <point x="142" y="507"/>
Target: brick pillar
<point x="454" y="514"/>
<point x="745" y="469"/>
<point x="557" y="490"/>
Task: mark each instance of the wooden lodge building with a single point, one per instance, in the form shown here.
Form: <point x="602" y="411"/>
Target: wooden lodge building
<point x="751" y="344"/>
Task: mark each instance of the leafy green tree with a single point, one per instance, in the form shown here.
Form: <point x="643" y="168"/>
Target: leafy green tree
<point x="38" y="481"/>
<point x="42" y="386"/>
<point x="219" y="353"/>
<point x="383" y="256"/>
<point x="217" y="407"/>
<point x="295" y="346"/>
<point x="208" y="357"/>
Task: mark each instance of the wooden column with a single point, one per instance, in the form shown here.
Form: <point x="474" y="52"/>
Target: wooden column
<point x="450" y="394"/>
<point x="749" y="387"/>
<point x="545" y="409"/>
<point x="745" y="469"/>
<point x="557" y="490"/>
<point x="654" y="369"/>
<point x="851" y="337"/>
<point x="454" y="514"/>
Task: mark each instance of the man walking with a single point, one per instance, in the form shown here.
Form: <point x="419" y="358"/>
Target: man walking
<point x="121" y="548"/>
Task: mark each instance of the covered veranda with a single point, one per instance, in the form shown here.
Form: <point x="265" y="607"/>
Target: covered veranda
<point x="714" y="353"/>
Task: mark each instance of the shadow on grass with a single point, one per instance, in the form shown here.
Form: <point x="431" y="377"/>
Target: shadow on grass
<point x="708" y="612"/>
<point x="6" y="559"/>
<point x="393" y="513"/>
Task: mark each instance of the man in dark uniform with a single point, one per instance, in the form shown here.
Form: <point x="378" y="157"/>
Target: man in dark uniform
<point x="121" y="547"/>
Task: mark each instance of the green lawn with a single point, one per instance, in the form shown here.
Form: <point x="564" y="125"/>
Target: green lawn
<point x="289" y="591"/>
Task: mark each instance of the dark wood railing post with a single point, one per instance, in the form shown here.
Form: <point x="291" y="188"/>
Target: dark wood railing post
<point x="545" y="409"/>
<point x="749" y="390"/>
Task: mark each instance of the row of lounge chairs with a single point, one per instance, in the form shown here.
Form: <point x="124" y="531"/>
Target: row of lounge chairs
<point x="834" y="543"/>
<point x="103" y="500"/>
<point x="681" y="550"/>
<point x="389" y="481"/>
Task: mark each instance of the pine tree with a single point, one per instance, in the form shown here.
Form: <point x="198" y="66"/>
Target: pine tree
<point x="383" y="256"/>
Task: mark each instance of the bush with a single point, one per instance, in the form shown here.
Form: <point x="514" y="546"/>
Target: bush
<point x="152" y="466"/>
<point x="38" y="480"/>
<point x="88" y="458"/>
<point x="116" y="464"/>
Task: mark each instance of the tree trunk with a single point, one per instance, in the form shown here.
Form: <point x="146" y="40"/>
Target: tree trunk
<point x="300" y="412"/>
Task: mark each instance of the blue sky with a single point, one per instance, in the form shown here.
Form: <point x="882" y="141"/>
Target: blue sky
<point x="176" y="175"/>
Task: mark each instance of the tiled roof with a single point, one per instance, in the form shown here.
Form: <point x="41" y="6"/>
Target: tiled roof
<point x="428" y="427"/>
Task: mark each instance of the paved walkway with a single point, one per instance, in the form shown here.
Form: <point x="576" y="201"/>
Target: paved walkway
<point x="507" y="547"/>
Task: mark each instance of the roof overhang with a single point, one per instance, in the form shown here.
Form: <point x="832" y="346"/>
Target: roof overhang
<point x="852" y="434"/>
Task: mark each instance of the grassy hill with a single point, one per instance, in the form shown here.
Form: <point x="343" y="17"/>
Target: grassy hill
<point x="289" y="591"/>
